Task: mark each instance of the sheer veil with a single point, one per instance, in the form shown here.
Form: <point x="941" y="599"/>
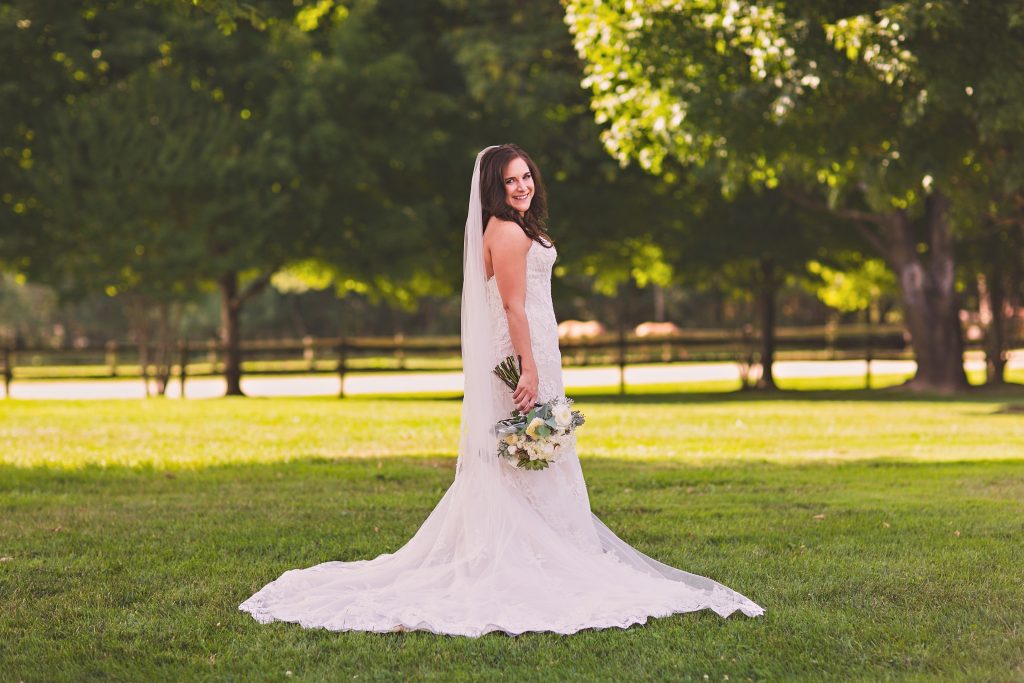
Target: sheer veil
<point x="477" y="450"/>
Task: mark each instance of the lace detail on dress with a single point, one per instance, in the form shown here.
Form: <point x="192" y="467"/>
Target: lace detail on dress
<point x="541" y="316"/>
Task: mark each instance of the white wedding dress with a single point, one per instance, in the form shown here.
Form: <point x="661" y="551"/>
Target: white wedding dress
<point x="516" y="552"/>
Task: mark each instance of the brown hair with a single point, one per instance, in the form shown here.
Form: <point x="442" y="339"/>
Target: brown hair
<point x="493" y="200"/>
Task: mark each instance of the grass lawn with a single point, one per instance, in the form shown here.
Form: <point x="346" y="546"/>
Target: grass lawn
<point x="883" y="534"/>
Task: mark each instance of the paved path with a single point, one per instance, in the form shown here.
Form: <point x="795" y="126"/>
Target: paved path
<point x="385" y="383"/>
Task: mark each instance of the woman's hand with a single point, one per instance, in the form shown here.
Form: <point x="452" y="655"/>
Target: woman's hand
<point x="525" y="394"/>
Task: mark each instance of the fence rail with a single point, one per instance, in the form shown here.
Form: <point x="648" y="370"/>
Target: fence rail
<point x="343" y="355"/>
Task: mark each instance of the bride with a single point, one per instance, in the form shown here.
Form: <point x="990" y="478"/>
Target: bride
<point x="506" y="549"/>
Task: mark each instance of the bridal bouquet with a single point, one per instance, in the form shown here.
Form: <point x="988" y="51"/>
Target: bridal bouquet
<point x="533" y="440"/>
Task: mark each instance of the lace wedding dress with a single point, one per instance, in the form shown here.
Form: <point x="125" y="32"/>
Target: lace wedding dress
<point x="505" y="549"/>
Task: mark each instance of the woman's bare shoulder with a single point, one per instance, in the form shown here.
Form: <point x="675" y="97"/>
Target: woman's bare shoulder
<point x="503" y="234"/>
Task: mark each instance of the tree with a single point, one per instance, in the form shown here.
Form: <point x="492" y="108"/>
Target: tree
<point x="371" y="126"/>
<point x="120" y="186"/>
<point x="450" y="78"/>
<point x="45" y="59"/>
<point x="872" y="116"/>
<point x="858" y="284"/>
<point x="521" y="77"/>
<point x="994" y="258"/>
<point x="752" y="243"/>
<point x="163" y="175"/>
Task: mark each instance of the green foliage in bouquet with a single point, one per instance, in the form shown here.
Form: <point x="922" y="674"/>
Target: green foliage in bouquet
<point x="540" y="423"/>
<point x="508" y="372"/>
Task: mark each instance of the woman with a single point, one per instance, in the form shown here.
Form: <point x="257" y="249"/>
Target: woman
<point x="506" y="549"/>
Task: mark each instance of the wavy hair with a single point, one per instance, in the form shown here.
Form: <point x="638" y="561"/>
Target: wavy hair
<point x="493" y="201"/>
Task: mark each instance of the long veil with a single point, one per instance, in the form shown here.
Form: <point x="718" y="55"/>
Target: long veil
<point x="477" y="454"/>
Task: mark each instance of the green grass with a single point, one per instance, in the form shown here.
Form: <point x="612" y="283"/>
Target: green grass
<point x="881" y="532"/>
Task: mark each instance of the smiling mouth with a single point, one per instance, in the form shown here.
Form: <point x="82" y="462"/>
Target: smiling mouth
<point x="521" y="197"/>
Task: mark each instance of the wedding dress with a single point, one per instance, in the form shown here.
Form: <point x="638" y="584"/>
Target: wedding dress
<point x="505" y="549"/>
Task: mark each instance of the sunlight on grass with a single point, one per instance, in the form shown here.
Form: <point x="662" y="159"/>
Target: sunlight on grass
<point x="690" y="428"/>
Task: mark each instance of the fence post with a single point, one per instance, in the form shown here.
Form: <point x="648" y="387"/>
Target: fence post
<point x="342" y="357"/>
<point x="182" y="364"/>
<point x="111" y="358"/>
<point x="8" y="371"/>
<point x="399" y="351"/>
<point x="831" y="332"/>
<point x="308" y="352"/>
<point x="622" y="360"/>
<point x="748" y="344"/>
<point x="211" y="354"/>
<point x="869" y="352"/>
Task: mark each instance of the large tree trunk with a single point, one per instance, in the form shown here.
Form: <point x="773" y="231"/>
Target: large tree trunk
<point x="766" y="309"/>
<point x="927" y="287"/>
<point x="928" y="293"/>
<point x="230" y="334"/>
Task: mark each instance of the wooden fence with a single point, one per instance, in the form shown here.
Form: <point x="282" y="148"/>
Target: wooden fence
<point x="342" y="355"/>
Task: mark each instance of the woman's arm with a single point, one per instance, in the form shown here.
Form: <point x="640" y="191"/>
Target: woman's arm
<point x="508" y="248"/>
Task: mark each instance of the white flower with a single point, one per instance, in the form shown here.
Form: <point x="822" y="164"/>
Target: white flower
<point x="547" y="448"/>
<point x="534" y="425"/>
<point x="511" y="449"/>
<point x="562" y="414"/>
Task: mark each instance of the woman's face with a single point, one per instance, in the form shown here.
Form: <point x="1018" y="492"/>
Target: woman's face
<point x="518" y="185"/>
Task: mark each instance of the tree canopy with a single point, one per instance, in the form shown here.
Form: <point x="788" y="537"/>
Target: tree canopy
<point x="860" y="109"/>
